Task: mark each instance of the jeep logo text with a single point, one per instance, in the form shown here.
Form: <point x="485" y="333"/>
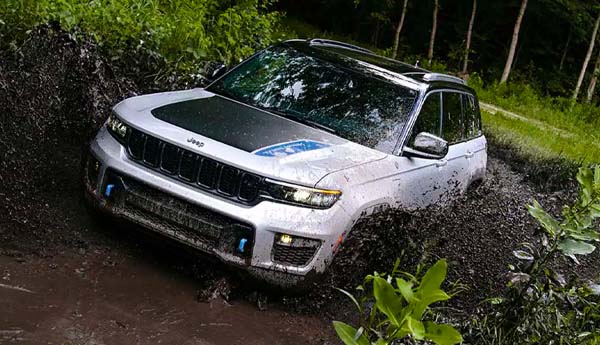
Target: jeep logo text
<point x="195" y="142"/>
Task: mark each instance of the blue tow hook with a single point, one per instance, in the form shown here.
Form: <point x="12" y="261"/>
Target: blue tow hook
<point x="242" y="244"/>
<point x="109" y="190"/>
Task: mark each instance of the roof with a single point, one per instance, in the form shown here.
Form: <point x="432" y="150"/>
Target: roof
<point x="364" y="55"/>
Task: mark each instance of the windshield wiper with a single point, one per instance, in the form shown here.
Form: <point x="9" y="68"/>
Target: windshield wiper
<point x="301" y="120"/>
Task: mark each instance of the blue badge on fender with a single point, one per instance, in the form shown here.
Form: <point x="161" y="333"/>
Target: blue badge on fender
<point x="290" y="148"/>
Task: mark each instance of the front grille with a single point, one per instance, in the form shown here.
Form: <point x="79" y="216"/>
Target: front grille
<point x="296" y="256"/>
<point x="177" y="218"/>
<point x="200" y="171"/>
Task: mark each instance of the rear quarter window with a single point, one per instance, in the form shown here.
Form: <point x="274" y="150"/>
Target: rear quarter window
<point x="472" y="117"/>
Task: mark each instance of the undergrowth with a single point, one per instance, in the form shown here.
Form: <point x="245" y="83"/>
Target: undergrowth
<point x="183" y="33"/>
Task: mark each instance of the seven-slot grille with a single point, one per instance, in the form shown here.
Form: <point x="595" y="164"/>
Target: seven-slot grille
<point x="202" y="172"/>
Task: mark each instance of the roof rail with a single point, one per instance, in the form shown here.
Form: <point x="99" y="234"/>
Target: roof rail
<point x="324" y="41"/>
<point x="443" y="77"/>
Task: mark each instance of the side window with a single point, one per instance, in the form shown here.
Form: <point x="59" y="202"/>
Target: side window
<point x="429" y="117"/>
<point x="472" y="117"/>
<point x="452" y="117"/>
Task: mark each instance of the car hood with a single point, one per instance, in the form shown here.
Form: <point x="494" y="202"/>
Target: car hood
<point x="243" y="136"/>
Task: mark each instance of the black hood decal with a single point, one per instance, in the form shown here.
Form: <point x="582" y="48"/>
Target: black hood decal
<point x="237" y="125"/>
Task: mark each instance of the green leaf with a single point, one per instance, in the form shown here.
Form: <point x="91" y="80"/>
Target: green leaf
<point x="352" y="298"/>
<point x="442" y="334"/>
<point x="595" y="210"/>
<point x="572" y="247"/>
<point x="594" y="289"/>
<point x="585" y="177"/>
<point x="405" y="289"/>
<point x="523" y="255"/>
<point x="435" y="296"/>
<point x="427" y="298"/>
<point x="349" y="335"/>
<point x="494" y="300"/>
<point x="584" y="235"/>
<point x="416" y="328"/>
<point x="546" y="221"/>
<point x="433" y="278"/>
<point x="386" y="300"/>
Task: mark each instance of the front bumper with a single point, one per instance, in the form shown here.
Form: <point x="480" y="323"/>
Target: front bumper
<point x="263" y="221"/>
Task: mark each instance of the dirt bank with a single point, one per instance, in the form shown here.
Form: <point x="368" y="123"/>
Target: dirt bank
<point x="103" y="283"/>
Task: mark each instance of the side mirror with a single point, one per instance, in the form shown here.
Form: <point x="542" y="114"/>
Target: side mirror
<point x="213" y="71"/>
<point x="428" y="146"/>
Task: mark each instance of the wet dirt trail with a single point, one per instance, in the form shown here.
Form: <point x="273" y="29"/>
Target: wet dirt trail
<point x="105" y="295"/>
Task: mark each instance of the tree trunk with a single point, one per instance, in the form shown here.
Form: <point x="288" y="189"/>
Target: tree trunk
<point x="588" y="56"/>
<point x="513" y="43"/>
<point x="433" y="31"/>
<point x="469" y="34"/>
<point x="592" y="87"/>
<point x="399" y="30"/>
<point x="564" y="56"/>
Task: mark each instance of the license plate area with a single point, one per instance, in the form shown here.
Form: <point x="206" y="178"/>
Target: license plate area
<point x="195" y="225"/>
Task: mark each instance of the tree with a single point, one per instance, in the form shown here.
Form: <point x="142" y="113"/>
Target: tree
<point x="469" y="34"/>
<point x="436" y="6"/>
<point x="513" y="43"/>
<point x="586" y="61"/>
<point x="399" y="30"/>
<point x="566" y="50"/>
<point x="594" y="80"/>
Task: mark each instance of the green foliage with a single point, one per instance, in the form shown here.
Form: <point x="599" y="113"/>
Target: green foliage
<point x="548" y="127"/>
<point x="395" y="305"/>
<point x="522" y="98"/>
<point x="183" y="32"/>
<point x="541" y="307"/>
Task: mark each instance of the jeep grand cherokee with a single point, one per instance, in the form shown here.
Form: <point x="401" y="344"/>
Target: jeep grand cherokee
<point x="270" y="167"/>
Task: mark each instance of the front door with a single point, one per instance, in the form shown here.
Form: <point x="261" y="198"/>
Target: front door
<point x="420" y="182"/>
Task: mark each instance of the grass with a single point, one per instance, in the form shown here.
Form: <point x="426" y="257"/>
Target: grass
<point x="544" y="127"/>
<point x="541" y="142"/>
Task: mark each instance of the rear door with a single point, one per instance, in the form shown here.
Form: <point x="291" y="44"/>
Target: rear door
<point x="476" y="154"/>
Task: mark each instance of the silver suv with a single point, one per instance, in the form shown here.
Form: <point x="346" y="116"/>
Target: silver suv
<point x="270" y="167"/>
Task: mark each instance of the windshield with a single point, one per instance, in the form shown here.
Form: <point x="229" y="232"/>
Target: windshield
<point x="364" y="106"/>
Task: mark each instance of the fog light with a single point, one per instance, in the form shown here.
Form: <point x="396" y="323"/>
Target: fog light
<point x="285" y="239"/>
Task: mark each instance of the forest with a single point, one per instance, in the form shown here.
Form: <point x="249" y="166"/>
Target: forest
<point x="547" y="39"/>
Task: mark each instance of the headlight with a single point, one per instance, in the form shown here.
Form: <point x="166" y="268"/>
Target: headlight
<point x="319" y="198"/>
<point x="117" y="128"/>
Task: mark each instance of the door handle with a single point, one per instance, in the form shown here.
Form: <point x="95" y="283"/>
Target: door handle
<point x="469" y="154"/>
<point x="441" y="163"/>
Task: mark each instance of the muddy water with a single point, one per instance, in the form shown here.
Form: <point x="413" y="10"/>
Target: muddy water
<point x="105" y="296"/>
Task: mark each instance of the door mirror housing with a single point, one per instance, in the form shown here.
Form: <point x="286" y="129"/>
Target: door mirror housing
<point x="428" y="146"/>
<point x="213" y="71"/>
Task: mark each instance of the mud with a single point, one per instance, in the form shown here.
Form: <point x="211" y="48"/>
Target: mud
<point x="99" y="282"/>
<point x="107" y="296"/>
